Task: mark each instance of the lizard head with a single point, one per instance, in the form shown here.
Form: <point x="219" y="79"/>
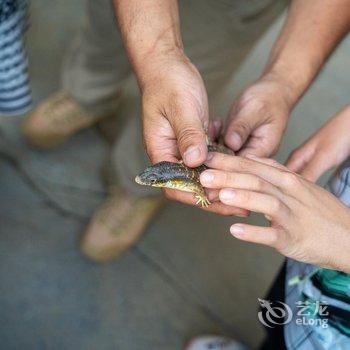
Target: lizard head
<point x="156" y="175"/>
<point x="163" y="174"/>
<point x="175" y="176"/>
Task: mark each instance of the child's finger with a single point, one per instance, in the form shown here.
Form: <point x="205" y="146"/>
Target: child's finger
<point x="270" y="206"/>
<point x="217" y="179"/>
<point x="269" y="173"/>
<point x="255" y="234"/>
<point x="213" y="196"/>
<point x="267" y="161"/>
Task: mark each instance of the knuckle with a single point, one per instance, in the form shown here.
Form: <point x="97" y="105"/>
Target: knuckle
<point x="242" y="127"/>
<point x="250" y="102"/>
<point x="188" y="134"/>
<point x="256" y="105"/>
<point x="219" y="159"/>
<point x="274" y="238"/>
<point x="228" y="179"/>
<point x="184" y="103"/>
<point x="291" y="180"/>
<point x="274" y="163"/>
<point x="241" y="163"/>
<point x="276" y="206"/>
<point x="246" y="197"/>
<point x="260" y="185"/>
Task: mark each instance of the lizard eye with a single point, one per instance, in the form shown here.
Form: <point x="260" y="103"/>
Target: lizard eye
<point x="153" y="179"/>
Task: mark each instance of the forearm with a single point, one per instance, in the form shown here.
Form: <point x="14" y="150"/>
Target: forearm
<point x="151" y="32"/>
<point x="311" y="32"/>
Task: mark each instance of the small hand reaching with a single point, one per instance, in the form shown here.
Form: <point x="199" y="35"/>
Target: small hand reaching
<point x="307" y="223"/>
<point x="326" y="149"/>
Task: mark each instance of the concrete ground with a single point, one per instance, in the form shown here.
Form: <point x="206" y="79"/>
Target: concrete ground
<point x="185" y="277"/>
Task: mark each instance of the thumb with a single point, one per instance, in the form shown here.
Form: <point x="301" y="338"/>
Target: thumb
<point x="191" y="139"/>
<point x="239" y="128"/>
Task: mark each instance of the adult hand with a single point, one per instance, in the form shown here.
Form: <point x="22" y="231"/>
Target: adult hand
<point x="175" y="117"/>
<point x="175" y="111"/>
<point x="327" y="148"/>
<point x="258" y="118"/>
<point x="308" y="223"/>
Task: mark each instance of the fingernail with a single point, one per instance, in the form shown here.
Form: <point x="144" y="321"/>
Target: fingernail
<point x="192" y="154"/>
<point x="207" y="177"/>
<point x="237" y="230"/>
<point x="227" y="194"/>
<point x="236" y="139"/>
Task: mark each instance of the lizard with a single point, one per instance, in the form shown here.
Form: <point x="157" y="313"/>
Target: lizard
<point x="179" y="176"/>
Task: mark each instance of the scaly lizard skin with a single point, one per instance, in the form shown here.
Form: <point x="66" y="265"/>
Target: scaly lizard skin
<point x="179" y="176"/>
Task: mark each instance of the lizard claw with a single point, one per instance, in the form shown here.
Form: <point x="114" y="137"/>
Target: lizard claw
<point x="202" y="200"/>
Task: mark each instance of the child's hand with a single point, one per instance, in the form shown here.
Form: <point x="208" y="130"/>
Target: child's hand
<point x="327" y="148"/>
<point x="307" y="223"/>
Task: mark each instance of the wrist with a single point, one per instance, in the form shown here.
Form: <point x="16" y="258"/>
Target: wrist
<point x="290" y="90"/>
<point x="150" y="31"/>
<point x="156" y="65"/>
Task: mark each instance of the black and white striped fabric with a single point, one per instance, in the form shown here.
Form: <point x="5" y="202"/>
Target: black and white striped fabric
<point x="15" y="96"/>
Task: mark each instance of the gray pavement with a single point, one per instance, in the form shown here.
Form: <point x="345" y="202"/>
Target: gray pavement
<point x="184" y="278"/>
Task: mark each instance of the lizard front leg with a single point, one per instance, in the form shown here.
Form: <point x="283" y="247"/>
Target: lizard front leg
<point x="202" y="198"/>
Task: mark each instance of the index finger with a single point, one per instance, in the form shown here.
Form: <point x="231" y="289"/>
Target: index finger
<point x="267" y="172"/>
